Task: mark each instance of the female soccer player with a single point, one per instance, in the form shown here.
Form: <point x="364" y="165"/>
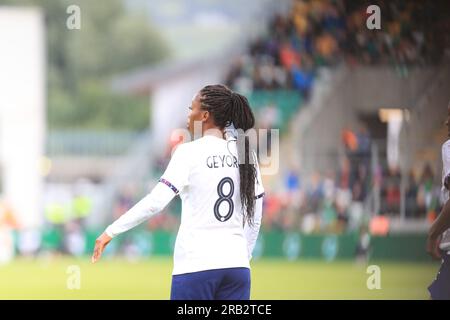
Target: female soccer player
<point x="438" y="243"/>
<point x="221" y="192"/>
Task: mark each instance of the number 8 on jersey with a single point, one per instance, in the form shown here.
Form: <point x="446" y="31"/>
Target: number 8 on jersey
<point x="224" y="197"/>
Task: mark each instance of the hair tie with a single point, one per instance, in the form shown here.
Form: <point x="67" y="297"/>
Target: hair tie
<point x="230" y="132"/>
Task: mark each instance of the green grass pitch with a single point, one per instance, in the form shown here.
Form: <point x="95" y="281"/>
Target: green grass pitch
<point x="114" y="278"/>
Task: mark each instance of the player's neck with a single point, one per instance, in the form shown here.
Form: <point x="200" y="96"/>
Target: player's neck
<point x="215" y="132"/>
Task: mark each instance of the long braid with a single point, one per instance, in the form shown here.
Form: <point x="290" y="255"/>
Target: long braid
<point x="227" y="107"/>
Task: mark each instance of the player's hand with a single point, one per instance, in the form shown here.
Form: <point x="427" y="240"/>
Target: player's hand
<point x="433" y="246"/>
<point x="100" y="245"/>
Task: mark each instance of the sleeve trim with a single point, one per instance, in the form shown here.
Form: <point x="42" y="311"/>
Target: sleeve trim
<point x="260" y="196"/>
<point x="171" y="186"/>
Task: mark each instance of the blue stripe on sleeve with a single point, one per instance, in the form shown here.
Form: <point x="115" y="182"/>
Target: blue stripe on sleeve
<point x="260" y="196"/>
<point x="171" y="186"/>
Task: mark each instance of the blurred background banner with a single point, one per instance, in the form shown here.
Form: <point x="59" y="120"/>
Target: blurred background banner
<point x="92" y="94"/>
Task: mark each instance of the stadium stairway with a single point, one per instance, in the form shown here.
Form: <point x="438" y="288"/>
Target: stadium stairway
<point x="341" y="95"/>
<point x="424" y="131"/>
<point x="316" y="127"/>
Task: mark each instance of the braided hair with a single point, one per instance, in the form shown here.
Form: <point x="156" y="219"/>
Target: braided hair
<point x="226" y="107"/>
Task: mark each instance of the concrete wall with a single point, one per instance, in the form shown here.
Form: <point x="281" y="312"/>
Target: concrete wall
<point x="370" y="88"/>
<point x="424" y="132"/>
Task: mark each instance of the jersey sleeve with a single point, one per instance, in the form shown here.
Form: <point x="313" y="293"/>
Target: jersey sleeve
<point x="259" y="188"/>
<point x="150" y="205"/>
<point x="176" y="176"/>
<point x="251" y="232"/>
<point x="174" y="179"/>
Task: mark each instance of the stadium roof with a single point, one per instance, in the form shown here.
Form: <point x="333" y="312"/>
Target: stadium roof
<point x="144" y="80"/>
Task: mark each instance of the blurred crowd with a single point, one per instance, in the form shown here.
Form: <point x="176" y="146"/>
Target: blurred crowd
<point x="324" y="33"/>
<point x="345" y="198"/>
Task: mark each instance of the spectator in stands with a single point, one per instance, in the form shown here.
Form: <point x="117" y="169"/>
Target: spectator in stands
<point x="427" y="198"/>
<point x="391" y="191"/>
<point x="329" y="32"/>
<point x="411" y="196"/>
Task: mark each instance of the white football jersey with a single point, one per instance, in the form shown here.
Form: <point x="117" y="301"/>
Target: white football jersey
<point x="205" y="174"/>
<point x="445" y="242"/>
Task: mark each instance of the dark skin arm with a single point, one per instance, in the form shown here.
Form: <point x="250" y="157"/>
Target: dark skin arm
<point x="441" y="224"/>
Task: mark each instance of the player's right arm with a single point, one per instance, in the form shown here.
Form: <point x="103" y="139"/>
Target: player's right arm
<point x="251" y="232"/>
<point x="174" y="179"/>
<point x="441" y="224"/>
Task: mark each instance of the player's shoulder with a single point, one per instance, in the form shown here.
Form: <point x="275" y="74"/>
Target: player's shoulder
<point x="191" y="145"/>
<point x="199" y="146"/>
<point x="188" y="148"/>
<point x="207" y="141"/>
<point x="183" y="148"/>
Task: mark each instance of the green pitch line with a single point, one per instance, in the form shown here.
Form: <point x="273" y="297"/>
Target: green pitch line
<point x="50" y="278"/>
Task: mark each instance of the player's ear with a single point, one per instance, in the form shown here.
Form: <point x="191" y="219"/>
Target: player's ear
<point x="205" y="116"/>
